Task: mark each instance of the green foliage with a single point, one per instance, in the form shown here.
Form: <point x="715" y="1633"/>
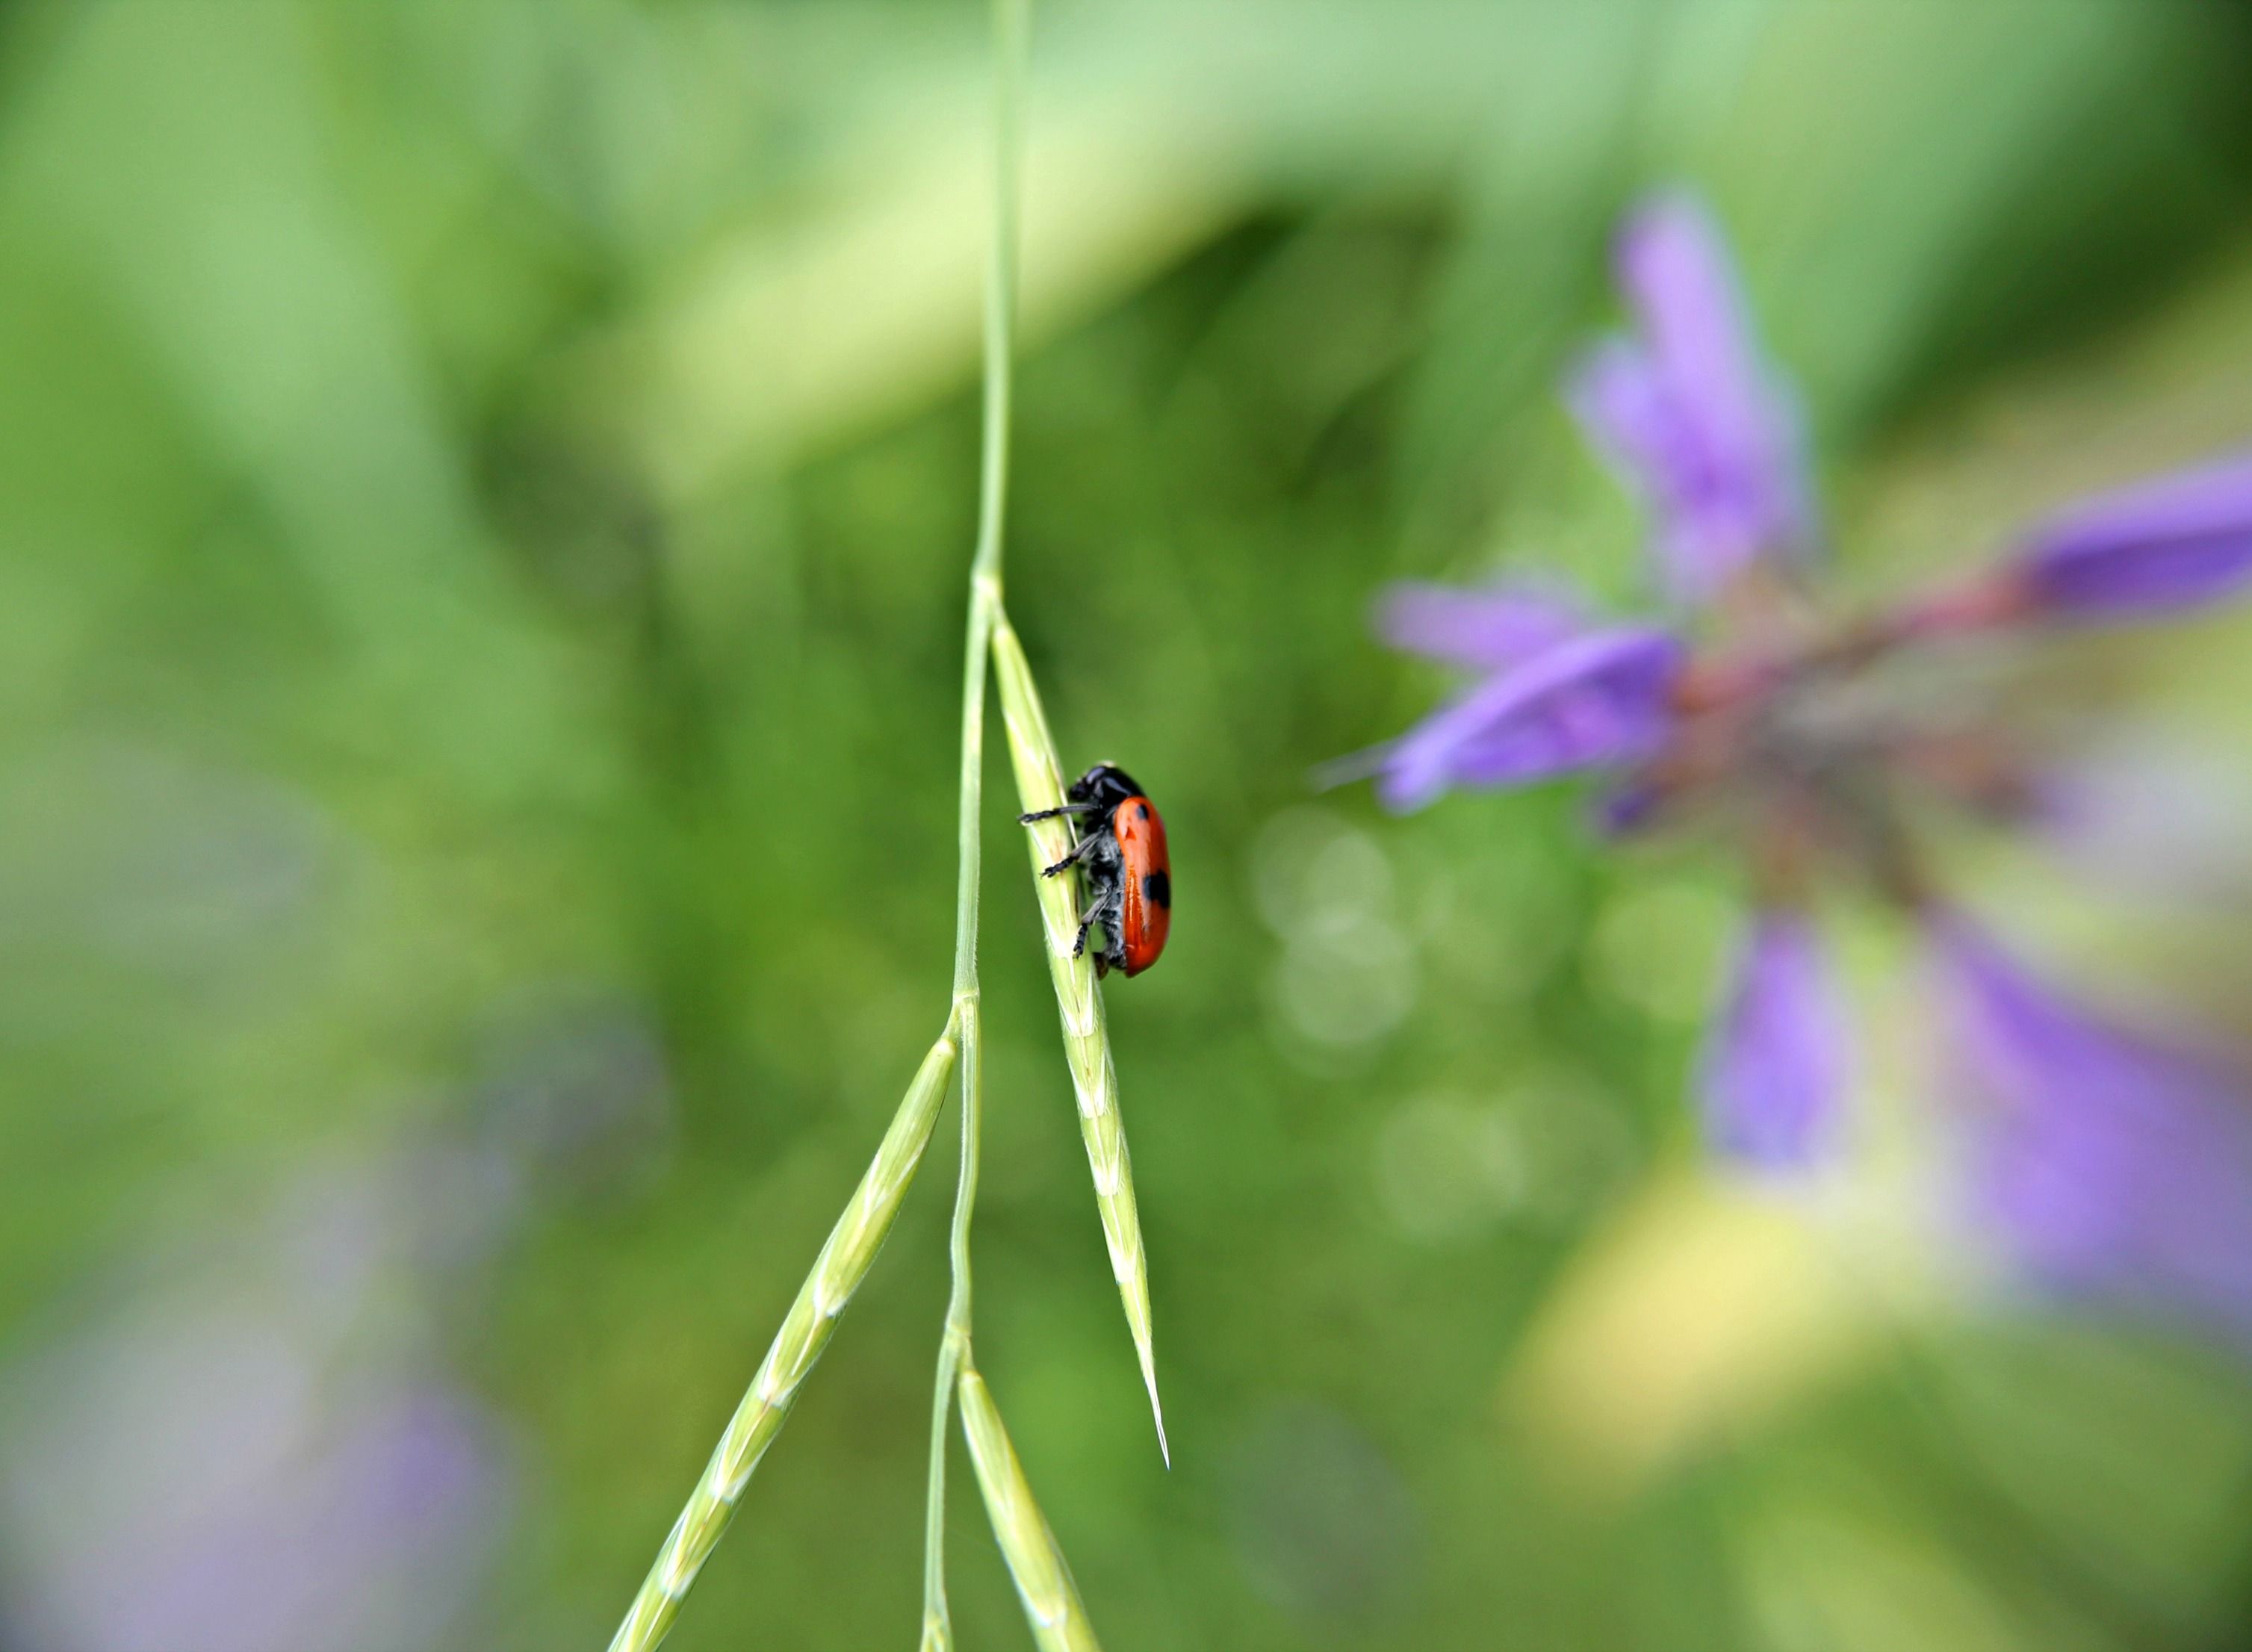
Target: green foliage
<point x="486" y="493"/>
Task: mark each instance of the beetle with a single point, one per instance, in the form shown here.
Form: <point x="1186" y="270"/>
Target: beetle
<point x="1130" y="877"/>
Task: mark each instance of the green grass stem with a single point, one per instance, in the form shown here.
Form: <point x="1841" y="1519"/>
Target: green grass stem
<point x="1052" y="1605"/>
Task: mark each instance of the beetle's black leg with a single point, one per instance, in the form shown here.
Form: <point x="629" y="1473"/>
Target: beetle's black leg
<point x="1050" y="814"/>
<point x="1078" y="947"/>
<point x="1087" y="849"/>
<point x="1104" y="909"/>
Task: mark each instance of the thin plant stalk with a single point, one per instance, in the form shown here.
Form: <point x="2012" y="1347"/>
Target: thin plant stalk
<point x="1086" y="1038"/>
<point x="843" y="1262"/>
<point x="1010" y="29"/>
<point x="1044" y="1582"/>
<point x="1052" y="1605"/>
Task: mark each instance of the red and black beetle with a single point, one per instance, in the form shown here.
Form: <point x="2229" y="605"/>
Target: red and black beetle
<point x="1121" y="849"/>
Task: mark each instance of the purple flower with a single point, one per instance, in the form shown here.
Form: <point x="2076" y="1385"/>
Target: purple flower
<point x="2165" y="545"/>
<point x="1601" y="698"/>
<point x="1775" y="1073"/>
<point x="201" y="1474"/>
<point x="1689" y="411"/>
<point x="2105" y="1163"/>
<point x="1483" y="630"/>
<point x="2109" y="1163"/>
<point x="249" y="1448"/>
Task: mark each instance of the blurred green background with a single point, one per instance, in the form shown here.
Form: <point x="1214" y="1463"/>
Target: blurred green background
<point x="487" y="490"/>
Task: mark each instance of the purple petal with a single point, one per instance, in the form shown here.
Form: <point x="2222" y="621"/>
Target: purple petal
<point x="1690" y="412"/>
<point x="2109" y="1163"/>
<point x="1484" y="629"/>
<point x="1629" y="413"/>
<point x="1674" y="268"/>
<point x="1598" y="700"/>
<point x="2176" y="543"/>
<point x="1774" y="1074"/>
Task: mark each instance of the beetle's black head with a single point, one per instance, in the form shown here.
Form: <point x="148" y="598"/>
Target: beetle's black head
<point x="1106" y="785"/>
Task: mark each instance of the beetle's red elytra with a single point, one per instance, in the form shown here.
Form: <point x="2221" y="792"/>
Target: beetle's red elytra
<point x="1120" y="849"/>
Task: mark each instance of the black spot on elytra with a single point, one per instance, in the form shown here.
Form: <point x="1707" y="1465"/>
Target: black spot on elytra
<point x="1140" y="811"/>
<point x="1158" y="889"/>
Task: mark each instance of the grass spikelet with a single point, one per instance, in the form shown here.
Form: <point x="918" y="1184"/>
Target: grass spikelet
<point x="1086" y="1039"/>
<point x="1051" y="1603"/>
<point x="843" y="1262"/>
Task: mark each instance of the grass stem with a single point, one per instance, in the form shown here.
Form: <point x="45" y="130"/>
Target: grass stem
<point x="1010" y="29"/>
